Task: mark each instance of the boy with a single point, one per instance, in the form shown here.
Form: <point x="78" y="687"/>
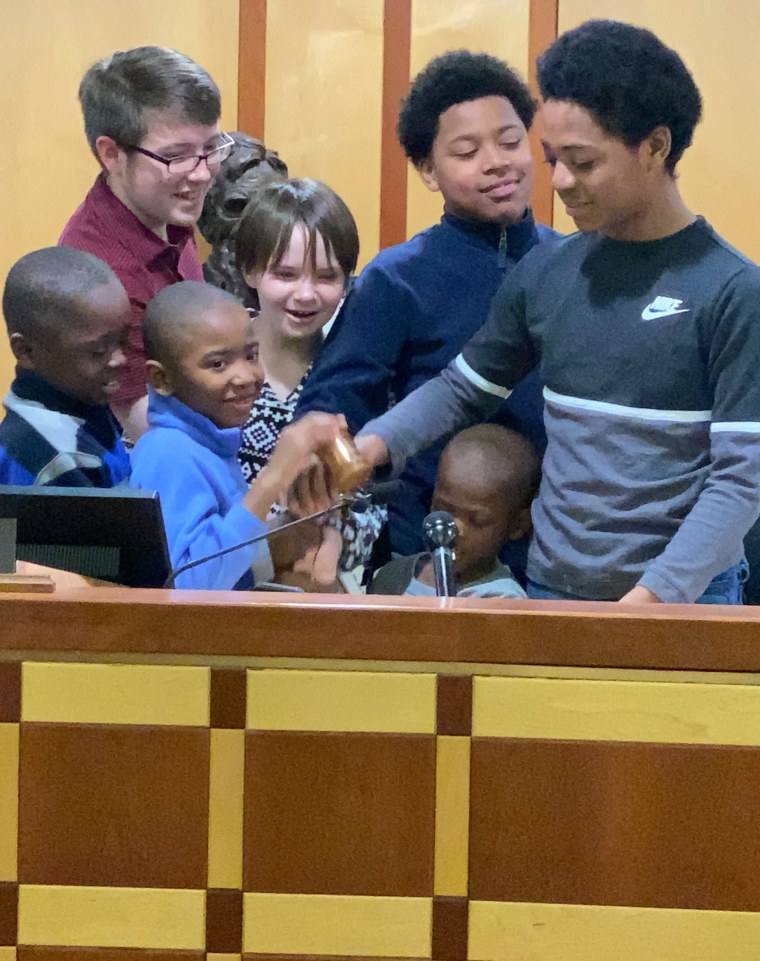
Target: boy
<point x="464" y="126"/>
<point x="68" y="323"/>
<point x="151" y="119"/>
<point x="647" y="328"/>
<point x="204" y="377"/>
<point x="487" y="478"/>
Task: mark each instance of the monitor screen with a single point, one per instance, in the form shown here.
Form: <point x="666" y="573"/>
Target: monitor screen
<point x="114" y="534"/>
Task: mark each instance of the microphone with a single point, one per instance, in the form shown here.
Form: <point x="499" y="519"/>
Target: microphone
<point x="439" y="531"/>
<point x="376" y="493"/>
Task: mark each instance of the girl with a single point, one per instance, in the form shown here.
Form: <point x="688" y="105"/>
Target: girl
<point x="297" y="247"/>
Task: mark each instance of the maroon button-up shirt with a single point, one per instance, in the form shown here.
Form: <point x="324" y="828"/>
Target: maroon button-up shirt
<point x="143" y="262"/>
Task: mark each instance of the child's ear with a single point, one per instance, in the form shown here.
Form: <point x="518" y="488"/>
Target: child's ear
<point x="108" y="151"/>
<point x="252" y="280"/>
<point x="159" y="378"/>
<point x="426" y="170"/>
<point x="23" y="350"/>
<point x="520" y="524"/>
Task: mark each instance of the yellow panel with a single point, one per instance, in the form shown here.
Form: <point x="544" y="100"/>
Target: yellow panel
<point x="327" y="924"/>
<point x="9" y="954"/>
<point x="571" y="932"/>
<point x="112" y="917"/>
<point x="115" y="694"/>
<point x="341" y="701"/>
<point x="225" y="818"/>
<point x="217" y="957"/>
<point x="45" y="48"/>
<point x="717" y="175"/>
<point x="324" y="99"/>
<point x="8" y="802"/>
<point x="498" y="27"/>
<point x="452" y="815"/>
<point x="616" y="710"/>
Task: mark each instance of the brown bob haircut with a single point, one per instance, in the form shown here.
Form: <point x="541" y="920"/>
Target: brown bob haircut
<point x="277" y="207"/>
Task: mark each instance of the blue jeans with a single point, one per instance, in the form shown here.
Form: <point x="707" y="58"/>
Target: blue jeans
<point x="726" y="588"/>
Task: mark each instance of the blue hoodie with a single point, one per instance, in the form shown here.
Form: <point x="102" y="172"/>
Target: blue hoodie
<point x="193" y="466"/>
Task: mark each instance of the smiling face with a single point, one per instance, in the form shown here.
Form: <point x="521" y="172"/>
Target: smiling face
<point x="85" y="356"/>
<point x="144" y="185"/>
<point x="605" y="184"/>
<point x="215" y="369"/>
<point x="481" y="161"/>
<point x="299" y="294"/>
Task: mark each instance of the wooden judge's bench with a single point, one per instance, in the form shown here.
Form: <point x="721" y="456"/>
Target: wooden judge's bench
<point x="187" y="775"/>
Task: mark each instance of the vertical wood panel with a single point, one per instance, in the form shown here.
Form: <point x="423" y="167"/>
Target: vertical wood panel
<point x="252" y="67"/>
<point x="397" y="30"/>
<point x="542" y="32"/>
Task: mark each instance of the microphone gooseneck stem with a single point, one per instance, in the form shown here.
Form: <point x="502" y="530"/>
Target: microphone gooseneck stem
<point x="443" y="570"/>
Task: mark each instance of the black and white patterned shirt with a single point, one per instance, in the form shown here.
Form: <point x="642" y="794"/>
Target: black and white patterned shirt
<point x="268" y="418"/>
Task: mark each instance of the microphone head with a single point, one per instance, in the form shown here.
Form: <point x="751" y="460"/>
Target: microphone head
<point x="439" y="529"/>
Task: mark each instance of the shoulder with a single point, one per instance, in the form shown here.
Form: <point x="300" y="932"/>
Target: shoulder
<point x="163" y="451"/>
<point x="391" y="259"/>
<point x="394" y="577"/>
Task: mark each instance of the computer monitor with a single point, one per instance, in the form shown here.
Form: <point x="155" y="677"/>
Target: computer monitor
<point x="113" y="534"/>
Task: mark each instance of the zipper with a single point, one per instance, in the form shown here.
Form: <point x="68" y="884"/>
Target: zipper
<point x="502" y="259"/>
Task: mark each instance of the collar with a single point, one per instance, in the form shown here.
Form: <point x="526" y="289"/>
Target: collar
<point x="170" y="412"/>
<point x="30" y="387"/>
<point x="520" y="237"/>
<point x="143" y="243"/>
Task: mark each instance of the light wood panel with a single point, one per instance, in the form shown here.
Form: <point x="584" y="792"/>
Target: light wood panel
<point x="324" y="99"/>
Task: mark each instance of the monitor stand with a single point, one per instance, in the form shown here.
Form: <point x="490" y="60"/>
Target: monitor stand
<point x="10" y="581"/>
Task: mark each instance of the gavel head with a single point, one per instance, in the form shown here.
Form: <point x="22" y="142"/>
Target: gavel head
<point x="349" y="468"/>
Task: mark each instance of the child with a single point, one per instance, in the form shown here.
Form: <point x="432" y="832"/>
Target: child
<point x="297" y="246"/>
<point x="151" y="116"/>
<point x="487" y="478"/>
<point x="68" y="323"/>
<point x="204" y="376"/>
<point x="647" y="327"/>
<point x="464" y="126"/>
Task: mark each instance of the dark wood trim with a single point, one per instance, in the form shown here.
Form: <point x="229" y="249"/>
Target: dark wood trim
<point x="327" y="626"/>
<point x="252" y="67"/>
<point x="450" y="928"/>
<point x="397" y="39"/>
<point x="542" y="31"/>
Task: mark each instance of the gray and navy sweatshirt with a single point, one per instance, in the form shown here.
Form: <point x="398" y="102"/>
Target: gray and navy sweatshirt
<point x="649" y="353"/>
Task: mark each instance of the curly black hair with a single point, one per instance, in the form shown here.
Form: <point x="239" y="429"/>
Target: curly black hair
<point x="627" y="79"/>
<point x="456" y="77"/>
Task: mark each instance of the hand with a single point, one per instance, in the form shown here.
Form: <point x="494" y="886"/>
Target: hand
<point x="294" y="454"/>
<point x="373" y="448"/>
<point x="289" y="546"/>
<point x="639" y="595"/>
<point x="312" y="491"/>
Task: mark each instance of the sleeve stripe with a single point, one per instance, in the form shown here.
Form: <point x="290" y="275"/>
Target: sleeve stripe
<point x="618" y="410"/>
<point x="479" y="381"/>
<point x="736" y="426"/>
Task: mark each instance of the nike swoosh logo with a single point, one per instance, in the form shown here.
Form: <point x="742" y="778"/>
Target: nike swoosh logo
<point x="648" y="314"/>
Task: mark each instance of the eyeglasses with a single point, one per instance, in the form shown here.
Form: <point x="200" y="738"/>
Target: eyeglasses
<point x="186" y="165"/>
